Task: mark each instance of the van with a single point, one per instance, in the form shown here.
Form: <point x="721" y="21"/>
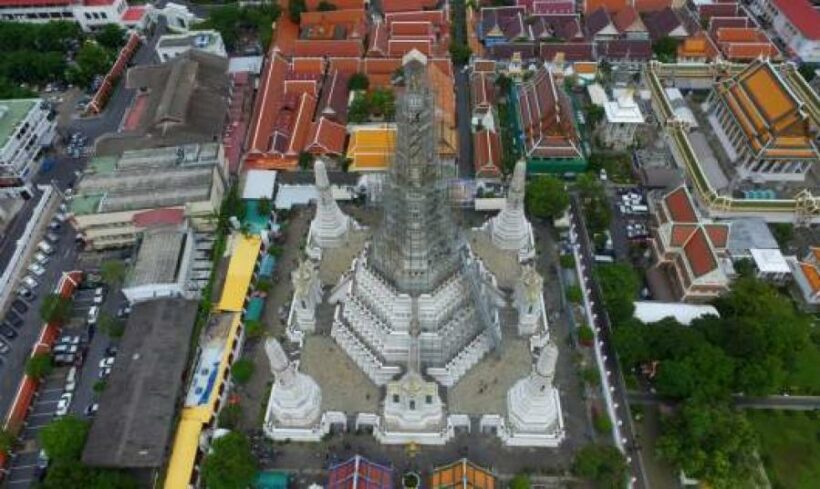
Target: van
<point x="604" y="259"/>
<point x="45" y="248"/>
<point x="640" y="209"/>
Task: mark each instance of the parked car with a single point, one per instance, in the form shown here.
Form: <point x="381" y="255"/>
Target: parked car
<point x="71" y="379"/>
<point x="36" y="269"/>
<point x="54" y="225"/>
<point x="4" y="347"/>
<point x="25" y="293"/>
<point x="69" y="340"/>
<point x="65" y="348"/>
<point x="63" y="404"/>
<point x="91" y="409"/>
<point x="13" y="319"/>
<point x="111" y="350"/>
<point x="64" y="359"/>
<point x="99" y="295"/>
<point x="8" y="331"/>
<point x="93" y="314"/>
<point x="29" y="282"/>
<point x="41" y="258"/>
<point x="105" y="372"/>
<point x="124" y="310"/>
<point x="19" y="306"/>
<point x="107" y="362"/>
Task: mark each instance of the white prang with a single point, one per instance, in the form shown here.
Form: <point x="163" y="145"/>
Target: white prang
<point x="330" y="227"/>
<point x="510" y="230"/>
<point x="307" y="294"/>
<point x="413" y="413"/>
<point x="529" y="301"/>
<point x="533" y="406"/>
<point x="294" y="406"/>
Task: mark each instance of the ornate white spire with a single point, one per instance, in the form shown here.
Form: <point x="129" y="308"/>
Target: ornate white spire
<point x="510" y="229"/>
<point x="528" y="300"/>
<point x="330" y="226"/>
<point x="295" y="398"/>
<point x="307" y="294"/>
<point x="533" y="407"/>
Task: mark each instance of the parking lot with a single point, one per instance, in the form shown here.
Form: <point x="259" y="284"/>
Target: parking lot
<point x="80" y="348"/>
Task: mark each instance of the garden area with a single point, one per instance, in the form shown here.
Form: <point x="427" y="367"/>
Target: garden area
<point x="789" y="447"/>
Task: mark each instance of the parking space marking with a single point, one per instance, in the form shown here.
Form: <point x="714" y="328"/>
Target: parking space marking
<point x="55" y="389"/>
<point x="21" y="481"/>
<point x="23" y="467"/>
<point x="40" y="402"/>
<point x="37" y="427"/>
<point x="40" y="414"/>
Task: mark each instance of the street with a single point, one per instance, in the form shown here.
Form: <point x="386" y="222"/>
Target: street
<point x="466" y="168"/>
<point x="610" y="359"/>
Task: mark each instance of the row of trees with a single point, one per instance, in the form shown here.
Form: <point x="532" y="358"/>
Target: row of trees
<point x="751" y="349"/>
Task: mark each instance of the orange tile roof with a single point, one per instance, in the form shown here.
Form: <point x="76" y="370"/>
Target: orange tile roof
<point x="483" y="65"/>
<point x="326" y="137"/>
<point x="347" y="66"/>
<point x="407" y="5"/>
<point x="344" y="16"/>
<point x="651" y="5"/>
<point x="437" y="17"/>
<point x="339" y="4"/>
<point x="286" y="34"/>
<point x="718" y="234"/>
<point x="267" y="103"/>
<point x="400" y="47"/>
<point x="585" y="67"/>
<point x="812" y="276"/>
<point x="462" y="474"/>
<point x="371" y="148"/>
<point x="697" y="46"/>
<point x="302" y="124"/>
<point x="411" y="28"/>
<point x="351" y="48"/>
<point x="610" y="5"/>
<point x="680" y="207"/>
<point x="681" y="233"/>
<point x="699" y="254"/>
<point x="299" y="87"/>
<point x="314" y="66"/>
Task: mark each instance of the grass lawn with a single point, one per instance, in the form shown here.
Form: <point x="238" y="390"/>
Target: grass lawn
<point x="806" y="377"/>
<point x="789" y="447"/>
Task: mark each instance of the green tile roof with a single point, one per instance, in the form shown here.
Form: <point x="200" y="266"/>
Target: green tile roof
<point x="85" y="204"/>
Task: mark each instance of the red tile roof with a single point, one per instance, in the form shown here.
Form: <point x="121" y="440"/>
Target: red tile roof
<point x="680" y="207"/>
<point x="718" y="234"/>
<point x="610" y="5"/>
<point x="487" y="149"/>
<point x="313" y="66"/>
<point x="625" y="18"/>
<point x="407" y="5"/>
<point x="158" y="217"/>
<point x="547" y="119"/>
<point x="329" y="47"/>
<point x="802" y="15"/>
<point x="33" y="3"/>
<point x="482" y="89"/>
<point x="326" y="137"/>
<point x="699" y="254"/>
<point x="268" y="102"/>
<point x="339" y="4"/>
<point x="681" y="233"/>
<point x="333" y="103"/>
<point x="133" y="14"/>
<point x="652" y="5"/>
<point x="302" y="124"/>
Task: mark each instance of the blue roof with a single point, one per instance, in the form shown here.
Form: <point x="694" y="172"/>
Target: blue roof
<point x="267" y="266"/>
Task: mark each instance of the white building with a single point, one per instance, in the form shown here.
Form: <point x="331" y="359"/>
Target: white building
<point x="26" y="127"/>
<point x="179" y="18"/>
<point x="170" y="46"/>
<point x="90" y="14"/>
<point x="623" y="117"/>
<point x="796" y="22"/>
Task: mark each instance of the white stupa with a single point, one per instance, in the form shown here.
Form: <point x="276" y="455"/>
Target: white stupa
<point x="528" y="301"/>
<point x="307" y="294"/>
<point x="533" y="407"/>
<point x="330" y="226"/>
<point x="510" y="230"/>
<point x="294" y="406"/>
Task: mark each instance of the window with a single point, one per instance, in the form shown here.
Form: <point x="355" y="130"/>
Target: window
<point x="396" y="398"/>
<point x="429" y="399"/>
<point x="412" y="405"/>
<point x="103" y="15"/>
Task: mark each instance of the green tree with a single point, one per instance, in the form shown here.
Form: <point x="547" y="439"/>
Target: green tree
<point x="382" y="102"/>
<point x="619" y="285"/>
<point x="39" y="365"/>
<point x="358" y="81"/>
<point x="112" y="272"/>
<point x="7" y="441"/>
<point x="359" y="110"/>
<point x="808" y="70"/>
<point x="504" y="83"/>
<point x="602" y="423"/>
<point x="631" y="342"/>
<point x="111" y="326"/>
<point x="55" y="308"/>
<point x="520" y="481"/>
<point x="567" y="261"/>
<point x="783" y="232"/>
<point x="595" y="114"/>
<point x="242" y="370"/>
<point x="665" y="49"/>
<point x="325" y="6"/>
<point x="705" y="374"/>
<point x="711" y="442"/>
<point x="574" y="294"/>
<point x="460" y="52"/>
<point x="230" y="464"/>
<point x="264" y="206"/>
<point x="254" y="328"/>
<point x="603" y="464"/>
<point x="71" y="474"/>
<point x="595" y="206"/>
<point x="92" y="60"/>
<point x="111" y="36"/>
<point x="305" y="160"/>
<point x="64" y="438"/>
<point x="295" y="10"/>
<point x="547" y="197"/>
<point x="585" y="334"/>
<point x="230" y="416"/>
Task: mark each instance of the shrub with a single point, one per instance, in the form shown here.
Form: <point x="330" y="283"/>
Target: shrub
<point x="242" y="370"/>
<point x="39" y="365"/>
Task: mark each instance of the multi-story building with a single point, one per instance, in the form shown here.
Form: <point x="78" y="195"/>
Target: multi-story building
<point x="90" y="14"/>
<point x="170" y="46"/>
<point x="26" y="127"/>
<point x="797" y="23"/>
<point x="763" y="125"/>
<point x="120" y="196"/>
<point x="622" y="119"/>
<point x="689" y="251"/>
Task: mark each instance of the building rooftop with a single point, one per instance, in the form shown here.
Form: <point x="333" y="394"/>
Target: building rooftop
<point x="802" y="15"/>
<point x="654" y="311"/>
<point x="259" y="184"/>
<point x="195" y="39"/>
<point x="149" y="178"/>
<point x="623" y="109"/>
<point x="547" y="121"/>
<point x="133" y="426"/>
<point x="359" y="473"/>
<point x="371" y="147"/>
<point x="187" y="102"/>
<point x="462" y="474"/>
<point x="159" y="256"/>
<point x="12" y="112"/>
<point x="770" y="260"/>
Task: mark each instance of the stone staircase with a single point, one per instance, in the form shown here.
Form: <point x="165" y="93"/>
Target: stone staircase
<point x="463" y="362"/>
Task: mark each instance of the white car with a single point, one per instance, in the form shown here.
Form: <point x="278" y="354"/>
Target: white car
<point x="93" y="313"/>
<point x="99" y="295"/>
<point x="41" y="258"/>
<point x="107" y="362"/>
<point x="36" y="269"/>
<point x="63" y="404"/>
<point x="71" y="380"/>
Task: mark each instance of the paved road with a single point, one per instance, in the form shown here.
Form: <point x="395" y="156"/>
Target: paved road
<point x="611" y="362"/>
<point x="787" y="403"/>
<point x="466" y="168"/>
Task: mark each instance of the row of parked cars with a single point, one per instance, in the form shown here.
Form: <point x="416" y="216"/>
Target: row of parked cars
<point x="37" y="268"/>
